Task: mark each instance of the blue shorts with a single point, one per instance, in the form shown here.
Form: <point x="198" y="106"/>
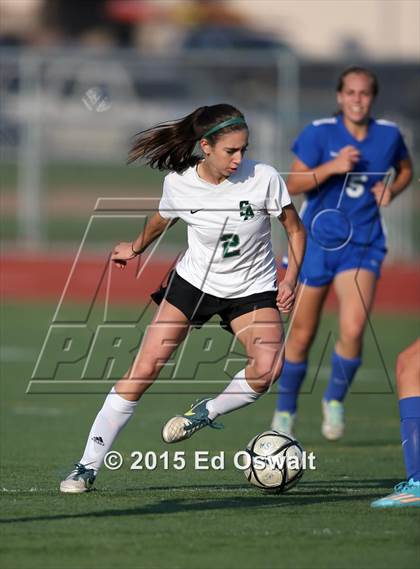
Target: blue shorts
<point x="320" y="265"/>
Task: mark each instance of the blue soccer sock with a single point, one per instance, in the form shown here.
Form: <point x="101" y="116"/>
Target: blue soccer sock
<point x="290" y="381"/>
<point x="410" y="435"/>
<point x="343" y="371"/>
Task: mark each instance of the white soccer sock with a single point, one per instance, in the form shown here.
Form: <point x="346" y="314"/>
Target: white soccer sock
<point x="236" y="395"/>
<point x="114" y="415"/>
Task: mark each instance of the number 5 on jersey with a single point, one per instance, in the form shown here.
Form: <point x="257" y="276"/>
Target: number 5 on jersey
<point x="230" y="244"/>
<point x="356" y="185"/>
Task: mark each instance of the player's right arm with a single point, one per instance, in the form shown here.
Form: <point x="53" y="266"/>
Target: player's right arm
<point x="303" y="179"/>
<point x="155" y="226"/>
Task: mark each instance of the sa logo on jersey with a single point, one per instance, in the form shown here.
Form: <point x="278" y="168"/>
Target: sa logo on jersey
<point x="246" y="210"/>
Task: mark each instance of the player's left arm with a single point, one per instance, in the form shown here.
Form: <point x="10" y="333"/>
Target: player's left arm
<point x="296" y="236"/>
<point x="384" y="194"/>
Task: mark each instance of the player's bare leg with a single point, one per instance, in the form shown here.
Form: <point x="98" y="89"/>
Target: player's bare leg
<point x="167" y="330"/>
<point x="408" y="371"/>
<point x="261" y="333"/>
<point x="355" y="292"/>
<point x="306" y="317"/>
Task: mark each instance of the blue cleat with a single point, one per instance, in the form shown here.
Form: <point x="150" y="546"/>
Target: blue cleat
<point x="184" y="426"/>
<point x="405" y="494"/>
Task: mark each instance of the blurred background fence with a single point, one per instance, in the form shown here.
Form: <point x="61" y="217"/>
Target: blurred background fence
<point x="68" y="113"/>
<point x="68" y="116"/>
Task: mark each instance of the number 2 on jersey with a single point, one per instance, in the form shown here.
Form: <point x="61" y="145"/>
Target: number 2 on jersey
<point x="230" y="244"/>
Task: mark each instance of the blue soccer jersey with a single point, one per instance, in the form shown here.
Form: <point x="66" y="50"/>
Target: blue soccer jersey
<point x="343" y="209"/>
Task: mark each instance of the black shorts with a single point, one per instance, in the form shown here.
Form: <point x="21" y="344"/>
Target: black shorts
<point x="199" y="306"/>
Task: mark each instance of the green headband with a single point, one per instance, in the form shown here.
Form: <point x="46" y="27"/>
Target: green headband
<point x="229" y="122"/>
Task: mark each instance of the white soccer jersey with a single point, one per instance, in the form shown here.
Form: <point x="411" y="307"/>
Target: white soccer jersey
<point x="229" y="234"/>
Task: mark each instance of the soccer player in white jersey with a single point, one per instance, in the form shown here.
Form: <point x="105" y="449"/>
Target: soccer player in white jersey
<point x="228" y="270"/>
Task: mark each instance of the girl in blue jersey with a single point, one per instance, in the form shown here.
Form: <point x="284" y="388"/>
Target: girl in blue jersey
<point x="343" y="166"/>
<point x="407" y="493"/>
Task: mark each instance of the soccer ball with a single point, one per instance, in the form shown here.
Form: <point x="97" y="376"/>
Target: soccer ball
<point x="275" y="461"/>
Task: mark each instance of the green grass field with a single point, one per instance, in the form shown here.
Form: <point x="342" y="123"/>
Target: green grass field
<point x="174" y="519"/>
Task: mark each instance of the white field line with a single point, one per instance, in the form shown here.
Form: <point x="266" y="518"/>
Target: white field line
<point x="17" y="354"/>
<point x="37" y="411"/>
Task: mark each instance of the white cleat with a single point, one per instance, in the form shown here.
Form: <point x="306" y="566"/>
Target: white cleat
<point x="333" y="423"/>
<point x="184" y="426"/>
<point x="175" y="430"/>
<point x="79" y="480"/>
<point x="283" y="422"/>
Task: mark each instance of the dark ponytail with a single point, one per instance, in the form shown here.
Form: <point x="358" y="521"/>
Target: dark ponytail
<point x="170" y="146"/>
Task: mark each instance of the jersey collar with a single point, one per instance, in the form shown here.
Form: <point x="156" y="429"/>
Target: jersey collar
<point x="354" y="140"/>
<point x="209" y="184"/>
